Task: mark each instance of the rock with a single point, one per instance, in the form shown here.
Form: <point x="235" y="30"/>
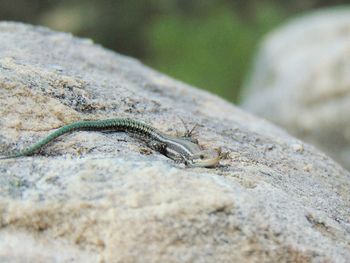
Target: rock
<point x="301" y="81"/>
<point x="97" y="197"/>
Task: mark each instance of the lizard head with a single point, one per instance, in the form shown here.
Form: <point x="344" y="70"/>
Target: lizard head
<point x="205" y="158"/>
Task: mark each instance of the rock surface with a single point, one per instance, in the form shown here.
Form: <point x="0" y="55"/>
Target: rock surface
<point x="301" y="81"/>
<point x="95" y="197"/>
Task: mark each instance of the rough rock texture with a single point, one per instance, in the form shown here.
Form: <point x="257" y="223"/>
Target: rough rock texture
<point x="96" y="197"/>
<point x="301" y="81"/>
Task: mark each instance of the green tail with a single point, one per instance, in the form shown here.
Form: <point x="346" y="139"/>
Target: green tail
<point x="9" y="157"/>
<point x="119" y="124"/>
<point x="81" y="125"/>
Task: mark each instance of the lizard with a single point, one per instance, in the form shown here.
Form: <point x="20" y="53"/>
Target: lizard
<point x="180" y="149"/>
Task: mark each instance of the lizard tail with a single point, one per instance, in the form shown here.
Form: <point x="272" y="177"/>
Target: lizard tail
<point x="9" y="157"/>
<point x="80" y="125"/>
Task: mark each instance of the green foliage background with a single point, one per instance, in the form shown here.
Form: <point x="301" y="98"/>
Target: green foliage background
<point x="207" y="43"/>
<point x="213" y="52"/>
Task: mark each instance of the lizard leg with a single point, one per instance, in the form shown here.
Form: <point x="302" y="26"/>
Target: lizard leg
<point x="157" y="146"/>
<point x="162" y="148"/>
<point x="188" y="135"/>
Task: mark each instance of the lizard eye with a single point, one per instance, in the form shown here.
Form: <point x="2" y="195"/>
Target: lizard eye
<point x="201" y="156"/>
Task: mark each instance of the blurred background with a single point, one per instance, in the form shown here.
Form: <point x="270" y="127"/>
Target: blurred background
<point x="207" y="43"/>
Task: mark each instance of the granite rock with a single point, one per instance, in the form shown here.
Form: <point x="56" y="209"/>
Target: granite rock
<point x="104" y="197"/>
